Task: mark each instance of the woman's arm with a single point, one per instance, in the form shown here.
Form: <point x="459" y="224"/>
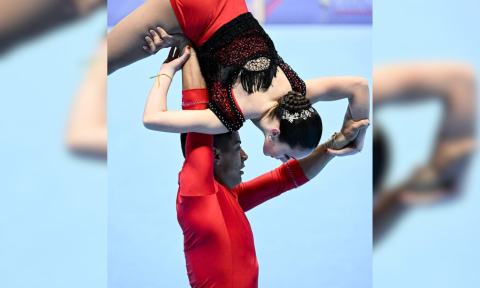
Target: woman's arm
<point x="87" y="128"/>
<point x="156" y="115"/>
<point x="355" y="89"/>
<point x="454" y="85"/>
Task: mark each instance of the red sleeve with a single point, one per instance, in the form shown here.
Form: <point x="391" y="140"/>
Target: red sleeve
<point x="196" y="177"/>
<point x="270" y="185"/>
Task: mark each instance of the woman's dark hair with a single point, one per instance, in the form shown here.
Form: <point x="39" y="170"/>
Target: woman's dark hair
<point x="300" y="124"/>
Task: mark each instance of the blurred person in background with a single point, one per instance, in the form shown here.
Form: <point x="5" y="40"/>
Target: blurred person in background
<point x="87" y="130"/>
<point x="441" y="178"/>
<point x="45" y="187"/>
<point x="22" y="20"/>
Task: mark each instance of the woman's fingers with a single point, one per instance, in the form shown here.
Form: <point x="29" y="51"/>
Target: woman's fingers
<point x="183" y="58"/>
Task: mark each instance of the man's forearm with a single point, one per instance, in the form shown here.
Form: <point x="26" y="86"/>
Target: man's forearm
<point x="192" y="77"/>
<point x="315" y="162"/>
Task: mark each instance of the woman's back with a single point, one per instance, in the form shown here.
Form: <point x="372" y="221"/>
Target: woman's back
<point x="244" y="73"/>
<point x="256" y="104"/>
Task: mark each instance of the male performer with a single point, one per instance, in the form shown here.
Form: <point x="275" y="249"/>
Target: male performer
<point x="212" y="201"/>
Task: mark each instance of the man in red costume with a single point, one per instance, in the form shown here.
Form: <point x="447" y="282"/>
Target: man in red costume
<point x="212" y="199"/>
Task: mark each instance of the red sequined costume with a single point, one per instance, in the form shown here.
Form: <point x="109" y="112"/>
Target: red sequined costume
<point x="230" y="42"/>
<point x="218" y="240"/>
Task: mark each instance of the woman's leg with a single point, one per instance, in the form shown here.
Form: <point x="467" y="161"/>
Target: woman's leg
<point x="126" y="39"/>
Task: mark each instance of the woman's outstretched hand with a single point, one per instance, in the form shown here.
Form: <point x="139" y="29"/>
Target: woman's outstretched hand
<point x="175" y="61"/>
<point x="354" y="131"/>
<point x="161" y="39"/>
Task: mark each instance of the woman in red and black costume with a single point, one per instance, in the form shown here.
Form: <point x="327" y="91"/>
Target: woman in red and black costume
<point x="245" y="76"/>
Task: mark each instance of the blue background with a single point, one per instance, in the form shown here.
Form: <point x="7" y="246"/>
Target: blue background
<point x="437" y="245"/>
<point x="315" y="236"/>
<point x="280" y="11"/>
<point x="53" y="217"/>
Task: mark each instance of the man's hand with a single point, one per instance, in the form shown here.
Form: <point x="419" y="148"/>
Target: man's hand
<point x="353" y="131"/>
<point x="163" y="40"/>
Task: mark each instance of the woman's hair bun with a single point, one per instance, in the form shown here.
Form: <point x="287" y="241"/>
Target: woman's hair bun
<point x="294" y="102"/>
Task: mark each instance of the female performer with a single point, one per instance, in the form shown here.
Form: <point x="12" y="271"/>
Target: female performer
<point x="246" y="77"/>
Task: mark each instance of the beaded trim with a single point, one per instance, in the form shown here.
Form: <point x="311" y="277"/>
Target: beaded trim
<point x="231" y="51"/>
<point x="291" y="175"/>
<point x="231" y="47"/>
<point x="194" y="103"/>
<point x="231" y="125"/>
<point x="287" y="70"/>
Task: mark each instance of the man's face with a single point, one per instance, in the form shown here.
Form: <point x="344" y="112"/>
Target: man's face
<point x="283" y="151"/>
<point x="228" y="164"/>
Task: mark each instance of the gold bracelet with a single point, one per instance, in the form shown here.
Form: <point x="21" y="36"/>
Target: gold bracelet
<point x="158" y="76"/>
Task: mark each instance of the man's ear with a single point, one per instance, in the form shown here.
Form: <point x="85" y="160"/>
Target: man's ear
<point x="216" y="156"/>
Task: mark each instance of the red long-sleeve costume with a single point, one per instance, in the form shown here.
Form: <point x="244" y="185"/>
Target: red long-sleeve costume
<point x="218" y="239"/>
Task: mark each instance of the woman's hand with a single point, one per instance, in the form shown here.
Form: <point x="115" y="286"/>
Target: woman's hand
<point x="174" y="62"/>
<point x="163" y="40"/>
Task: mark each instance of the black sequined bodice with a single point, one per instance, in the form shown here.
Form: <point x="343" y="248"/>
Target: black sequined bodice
<point x="240" y="47"/>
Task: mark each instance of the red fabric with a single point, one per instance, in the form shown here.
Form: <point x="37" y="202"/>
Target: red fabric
<point x="195" y="99"/>
<point x="218" y="240"/>
<point x="199" y="20"/>
<point x="270" y="185"/>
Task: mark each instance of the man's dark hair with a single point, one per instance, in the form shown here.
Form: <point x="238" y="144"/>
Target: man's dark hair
<point x="220" y="141"/>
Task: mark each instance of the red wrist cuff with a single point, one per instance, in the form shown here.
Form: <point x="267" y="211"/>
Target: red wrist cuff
<point x="195" y="99"/>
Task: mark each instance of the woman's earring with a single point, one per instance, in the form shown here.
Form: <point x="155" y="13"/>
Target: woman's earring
<point x="269" y="138"/>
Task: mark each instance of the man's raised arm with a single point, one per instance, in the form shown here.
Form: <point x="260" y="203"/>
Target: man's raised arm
<point x="198" y="167"/>
<point x="294" y="173"/>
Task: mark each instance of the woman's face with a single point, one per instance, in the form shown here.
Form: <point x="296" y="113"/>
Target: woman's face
<point x="282" y="151"/>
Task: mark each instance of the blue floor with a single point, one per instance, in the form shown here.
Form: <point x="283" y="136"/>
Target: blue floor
<point x="316" y="236"/>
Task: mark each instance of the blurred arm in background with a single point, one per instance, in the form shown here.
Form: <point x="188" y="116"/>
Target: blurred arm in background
<point x="87" y="130"/>
<point x="454" y="85"/>
<point x="23" y="19"/>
